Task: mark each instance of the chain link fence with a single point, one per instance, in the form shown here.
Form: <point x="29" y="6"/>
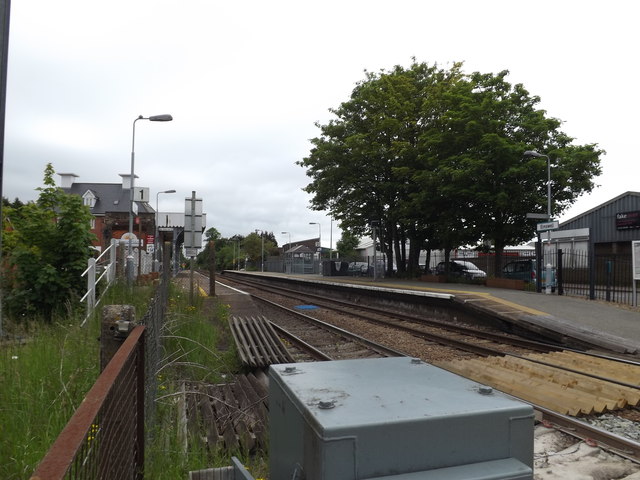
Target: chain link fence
<point x="105" y="438"/>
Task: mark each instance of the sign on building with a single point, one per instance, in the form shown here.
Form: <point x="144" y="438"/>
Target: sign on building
<point x="546" y="226"/>
<point x="627" y="220"/>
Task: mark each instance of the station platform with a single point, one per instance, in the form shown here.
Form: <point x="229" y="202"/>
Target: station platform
<point x="613" y="326"/>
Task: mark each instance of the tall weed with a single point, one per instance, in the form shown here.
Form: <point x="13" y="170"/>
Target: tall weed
<point x="43" y="379"/>
<point x="46" y="369"/>
<point x="197" y="349"/>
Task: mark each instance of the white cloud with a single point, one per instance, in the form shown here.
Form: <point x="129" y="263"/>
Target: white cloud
<point x="245" y="82"/>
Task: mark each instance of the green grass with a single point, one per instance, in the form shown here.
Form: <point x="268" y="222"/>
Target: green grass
<point x="197" y="348"/>
<point x="45" y="372"/>
<point x="42" y="380"/>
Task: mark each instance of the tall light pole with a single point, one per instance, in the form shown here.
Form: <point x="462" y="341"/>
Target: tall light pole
<point x="153" y="118"/>
<point x="155" y="238"/>
<point x="374" y="225"/>
<point x="262" y="257"/>
<point x="289" y="245"/>
<point x="331" y="239"/>
<point x="549" y="267"/>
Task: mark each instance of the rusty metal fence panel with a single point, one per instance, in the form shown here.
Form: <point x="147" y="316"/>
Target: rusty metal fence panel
<point x="105" y="437"/>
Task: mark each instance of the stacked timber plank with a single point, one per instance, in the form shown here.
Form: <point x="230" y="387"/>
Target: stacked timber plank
<point x="565" y="382"/>
<point x="231" y="416"/>
<point x="258" y="344"/>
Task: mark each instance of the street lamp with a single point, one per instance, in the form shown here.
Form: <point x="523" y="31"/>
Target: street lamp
<point x="319" y="238"/>
<point x="153" y="118"/>
<point x="262" y="257"/>
<point x="549" y="268"/>
<point x="331" y="238"/>
<point x="155" y="238"/>
<point x="374" y="224"/>
<point x="289" y="245"/>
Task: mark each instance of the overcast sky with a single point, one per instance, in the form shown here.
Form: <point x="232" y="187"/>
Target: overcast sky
<point x="246" y="80"/>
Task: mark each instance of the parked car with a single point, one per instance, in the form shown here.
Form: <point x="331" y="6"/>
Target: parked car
<point x="461" y="268"/>
<point x="358" y="268"/>
<point x="526" y="270"/>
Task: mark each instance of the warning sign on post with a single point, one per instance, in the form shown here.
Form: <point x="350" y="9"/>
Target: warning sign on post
<point x="193" y="223"/>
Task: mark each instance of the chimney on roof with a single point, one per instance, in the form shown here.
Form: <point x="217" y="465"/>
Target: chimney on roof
<point x="67" y="179"/>
<point x="126" y="180"/>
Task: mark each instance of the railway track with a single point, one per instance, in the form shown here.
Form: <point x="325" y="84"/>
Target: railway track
<point x="476" y="341"/>
<point x="550" y="419"/>
<point x="602" y="383"/>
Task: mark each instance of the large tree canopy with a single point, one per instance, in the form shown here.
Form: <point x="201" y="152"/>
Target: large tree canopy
<point x="436" y="156"/>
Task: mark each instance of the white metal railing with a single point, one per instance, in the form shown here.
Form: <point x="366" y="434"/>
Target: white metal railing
<point x="108" y="273"/>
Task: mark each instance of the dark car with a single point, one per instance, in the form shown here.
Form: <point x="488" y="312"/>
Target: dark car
<point x="461" y="268"/>
<point x="526" y="270"/>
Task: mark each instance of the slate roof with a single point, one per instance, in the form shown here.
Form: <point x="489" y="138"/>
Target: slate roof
<point x="299" y="249"/>
<point x="110" y="197"/>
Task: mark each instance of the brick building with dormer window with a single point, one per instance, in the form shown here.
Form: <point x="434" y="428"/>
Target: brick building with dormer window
<point x="109" y="204"/>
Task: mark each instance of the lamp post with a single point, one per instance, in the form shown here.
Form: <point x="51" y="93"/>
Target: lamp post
<point x="262" y="255"/>
<point x="549" y="267"/>
<point x="374" y="225"/>
<point x="331" y="238"/>
<point x="155" y="238"/>
<point x="289" y="245"/>
<point x="153" y="118"/>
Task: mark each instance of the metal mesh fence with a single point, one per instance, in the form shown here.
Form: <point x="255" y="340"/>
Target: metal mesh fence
<point x="154" y="320"/>
<point x="105" y="437"/>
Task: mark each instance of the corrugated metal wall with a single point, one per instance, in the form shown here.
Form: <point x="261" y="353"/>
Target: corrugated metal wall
<point x="601" y="220"/>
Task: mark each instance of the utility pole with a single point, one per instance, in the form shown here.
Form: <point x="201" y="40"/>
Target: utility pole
<point x="212" y="269"/>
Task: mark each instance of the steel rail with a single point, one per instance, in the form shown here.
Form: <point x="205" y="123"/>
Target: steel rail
<point x="313" y="351"/>
<point x="485" y="351"/>
<point x="441" y="339"/>
<point x="621" y="446"/>
<point x="616" y="444"/>
<point x="321" y="301"/>
<point x="378" y="348"/>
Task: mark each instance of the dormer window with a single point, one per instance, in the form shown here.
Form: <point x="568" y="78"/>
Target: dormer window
<point x="89" y="199"/>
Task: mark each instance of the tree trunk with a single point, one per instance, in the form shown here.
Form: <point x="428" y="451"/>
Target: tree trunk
<point x="389" y="250"/>
<point x="414" y="257"/>
<point x="497" y="260"/>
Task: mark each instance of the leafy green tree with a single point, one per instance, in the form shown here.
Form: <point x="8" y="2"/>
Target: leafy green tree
<point x="253" y="249"/>
<point x="49" y="252"/>
<point x="474" y="162"/>
<point x="347" y="244"/>
<point x="204" y="256"/>
<point x="435" y="156"/>
<point x="254" y="246"/>
<point x="361" y="165"/>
